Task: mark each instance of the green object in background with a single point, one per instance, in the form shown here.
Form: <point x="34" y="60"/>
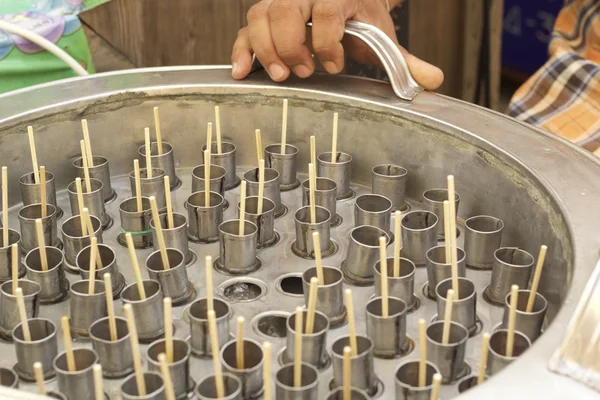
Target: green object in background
<point x="23" y="63"/>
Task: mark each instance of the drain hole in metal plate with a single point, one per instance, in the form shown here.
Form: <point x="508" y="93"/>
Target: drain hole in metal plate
<point x="291" y="285"/>
<point x="242" y="290"/>
<point x="272" y="324"/>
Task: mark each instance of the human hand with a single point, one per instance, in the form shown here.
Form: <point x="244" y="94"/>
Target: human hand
<point x="276" y="33"/>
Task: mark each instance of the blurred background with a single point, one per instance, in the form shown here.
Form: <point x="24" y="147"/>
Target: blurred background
<point x="486" y="48"/>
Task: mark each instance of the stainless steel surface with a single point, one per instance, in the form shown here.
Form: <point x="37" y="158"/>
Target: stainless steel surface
<point x="528" y="323"/>
<point x="179" y="368"/>
<point x="76" y="384"/>
<point x="176" y="237"/>
<point x="206" y="389"/>
<point x="84" y="307"/>
<point x="114" y="355"/>
<point x="53" y="283"/>
<point x="251" y="375"/>
<point x="339" y="171"/>
<point x="325" y="196"/>
<point x="218" y="177"/>
<point x="497" y="359"/>
<point x="314" y="345"/>
<point x="146" y="312"/>
<point x="92" y="200"/>
<point x="109" y="263"/>
<point x="433" y="201"/>
<point x="9" y="313"/>
<point x="388" y="333"/>
<point x="407" y="381"/>
<point x="226" y="160"/>
<point x="389" y="180"/>
<point x="449" y="357"/>
<point x="363" y="252"/>
<point x="237" y="253"/>
<point x="439" y="269"/>
<point x="362" y="371"/>
<point x="204" y="221"/>
<point x="42" y="348"/>
<point x="285" y="164"/>
<point x="419" y="234"/>
<point x="402" y="286"/>
<point x="265" y="222"/>
<point x="27" y="217"/>
<point x="155" y="388"/>
<point x="272" y="189"/>
<point x="483" y="236"/>
<point x="512" y="266"/>
<point x="495" y="175"/>
<point x="6" y="255"/>
<point x="330" y="298"/>
<point x="309" y="383"/>
<point x="136" y="222"/>
<point x="74" y="241"/>
<point x="154" y="186"/>
<point x="199" y="335"/>
<point x="164" y="161"/>
<point x="464" y="305"/>
<point x="100" y="171"/>
<point x="174" y="281"/>
<point x="303" y="246"/>
<point x="373" y="210"/>
<point x="31" y="191"/>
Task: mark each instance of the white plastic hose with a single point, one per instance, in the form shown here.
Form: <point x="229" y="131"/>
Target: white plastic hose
<point x="45" y="43"/>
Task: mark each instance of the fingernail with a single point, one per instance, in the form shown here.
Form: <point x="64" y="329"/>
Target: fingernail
<point x="330" y="66"/>
<point x="234" y="68"/>
<point x="276" y="71"/>
<point x="301" y="71"/>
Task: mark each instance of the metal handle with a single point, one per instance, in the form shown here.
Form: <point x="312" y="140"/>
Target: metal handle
<point x="388" y="53"/>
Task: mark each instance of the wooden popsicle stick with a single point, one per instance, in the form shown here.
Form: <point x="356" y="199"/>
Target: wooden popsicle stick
<point x="92" y="268"/>
<point x="242" y="209"/>
<point x="512" y="319"/>
<point x="218" y="126"/>
<point x="447" y="316"/>
<point x="87" y="228"/>
<point x="452" y="216"/>
<point x="14" y="258"/>
<point x="334" y="139"/>
<point x="422" y="353"/>
<point x="39" y="377"/>
<point x="34" y="161"/>
<point x="214" y="342"/>
<point x="98" y="382"/>
<point x="43" y="191"/>
<point x="346" y="374"/>
<point x="397" y="243"/>
<point x="311" y="193"/>
<point x="90" y="228"/>
<point x="164" y="256"/>
<point x="166" y="374"/>
<point x="485" y="340"/>
<point x="170" y="222"/>
<point x="159" y="143"/>
<point x="312" y="305"/>
<point x="447" y="239"/>
<point x="136" y="267"/>
<point x="258" y="145"/>
<point x="261" y="186"/>
<point x="206" y="178"/>
<point x="148" y="148"/>
<point x="208" y="266"/>
<point x="351" y="323"/>
<point x="168" y="318"/>
<point x="239" y="344"/>
<point x="313" y="151"/>
<point x="209" y="137"/>
<point x="298" y="348"/>
<point x="68" y="342"/>
<point x="138" y="185"/>
<point x="135" y="350"/>
<point x="112" y="323"/>
<point x="85" y="164"/>
<point x="23" y="315"/>
<point x="284" y="125"/>
<point x="41" y="244"/>
<point x="267" y="371"/>
<point x="383" y="271"/>
<point x="88" y="143"/>
<point x="435" y="389"/>
<point x="318" y="260"/>
<point x="536" y="278"/>
<point x="82" y="220"/>
<point x="4" y="207"/>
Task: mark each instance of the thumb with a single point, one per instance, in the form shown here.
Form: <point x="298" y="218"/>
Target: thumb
<point x="427" y="75"/>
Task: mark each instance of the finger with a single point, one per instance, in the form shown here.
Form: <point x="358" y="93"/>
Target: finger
<point x="288" y="30"/>
<point x="241" y="55"/>
<point x="328" y="19"/>
<point x="427" y="75"/>
<point x="259" y="33"/>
